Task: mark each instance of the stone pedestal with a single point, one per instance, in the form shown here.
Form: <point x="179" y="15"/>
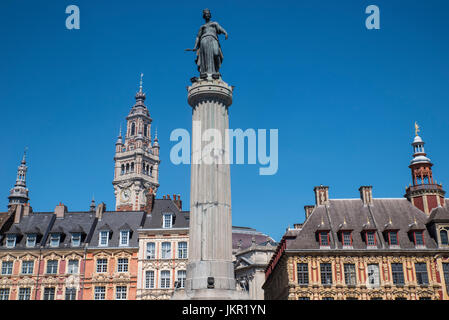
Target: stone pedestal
<point x="210" y="271"/>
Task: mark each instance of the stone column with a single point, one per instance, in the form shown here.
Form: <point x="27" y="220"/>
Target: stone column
<point x="210" y="271"/>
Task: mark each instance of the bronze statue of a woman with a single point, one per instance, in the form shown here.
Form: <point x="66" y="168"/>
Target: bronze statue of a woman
<point x="207" y="47"/>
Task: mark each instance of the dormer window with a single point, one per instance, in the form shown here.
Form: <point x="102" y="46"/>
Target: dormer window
<point x="444" y="241"/>
<point x="10" y="240"/>
<point x="76" y="239"/>
<point x="103" y="238"/>
<point x="370" y="238"/>
<point x="419" y="238"/>
<point x="54" y="239"/>
<point x="393" y="238"/>
<point x="324" y="238"/>
<point x="346" y="238"/>
<point x="31" y="240"/>
<point x="167" y="220"/>
<point x="124" y="237"/>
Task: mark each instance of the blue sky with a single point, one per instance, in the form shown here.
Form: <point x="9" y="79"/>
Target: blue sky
<point x="343" y="98"/>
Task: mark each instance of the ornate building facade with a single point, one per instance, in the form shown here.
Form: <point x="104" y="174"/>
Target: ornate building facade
<point x="137" y="251"/>
<point x="367" y="248"/>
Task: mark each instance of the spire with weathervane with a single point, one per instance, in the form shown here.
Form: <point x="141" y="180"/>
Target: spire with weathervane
<point x="19" y="194"/>
<point x="137" y="161"/>
<point x="425" y="193"/>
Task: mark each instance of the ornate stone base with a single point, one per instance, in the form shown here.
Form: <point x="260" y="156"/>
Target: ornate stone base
<point x="210" y="294"/>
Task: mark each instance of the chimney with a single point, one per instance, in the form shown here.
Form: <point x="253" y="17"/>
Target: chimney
<point x="27" y="210"/>
<point x="60" y="210"/>
<point x="150" y="202"/>
<point x="101" y="208"/>
<point x="366" y="194"/>
<point x="321" y="195"/>
<point x="308" y="210"/>
<point x="18" y="213"/>
<point x="177" y="201"/>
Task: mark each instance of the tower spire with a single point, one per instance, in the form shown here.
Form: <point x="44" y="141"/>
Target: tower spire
<point x="424" y="193"/>
<point x="19" y="194"/>
<point x="135" y="158"/>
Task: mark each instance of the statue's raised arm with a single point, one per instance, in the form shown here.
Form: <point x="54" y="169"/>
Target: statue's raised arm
<point x="207" y="46"/>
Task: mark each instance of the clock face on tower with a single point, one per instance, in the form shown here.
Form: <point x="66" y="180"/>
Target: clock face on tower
<point x="125" y="195"/>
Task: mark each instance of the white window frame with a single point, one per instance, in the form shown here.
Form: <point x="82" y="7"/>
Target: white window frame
<point x="166" y="254"/>
<point x="76" y="239"/>
<point x="121" y="295"/>
<point x="8" y="267"/>
<point x="153" y="252"/>
<point x="5" y="292"/>
<point x="55" y="237"/>
<point x="29" y="243"/>
<point x="24" y="293"/>
<point x="100" y="292"/>
<point x="122" y="237"/>
<point x="184" y="251"/>
<point x="101" y="265"/>
<point x="165" y="282"/>
<point x="167" y="224"/>
<point x="100" y="235"/>
<point x="50" y="292"/>
<point x="181" y="280"/>
<point x="149" y="279"/>
<point x="373" y="275"/>
<point x="57" y="265"/>
<point x="11" y="238"/>
<point x="26" y="267"/>
<point x="121" y="265"/>
<point x="70" y="266"/>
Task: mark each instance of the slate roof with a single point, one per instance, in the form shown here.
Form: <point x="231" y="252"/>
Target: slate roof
<point x="400" y="212"/>
<point x="154" y="221"/>
<point x="243" y="236"/>
<point x="439" y="214"/>
<point x="41" y="221"/>
<point x="114" y="220"/>
<point x="84" y="221"/>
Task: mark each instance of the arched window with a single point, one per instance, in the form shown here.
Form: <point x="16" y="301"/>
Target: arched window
<point x="127" y="167"/>
<point x="151" y="171"/>
<point x="133" y="128"/>
<point x="144" y="168"/>
<point x="145" y="130"/>
<point x="123" y="169"/>
<point x="132" y="166"/>
<point x="443" y="237"/>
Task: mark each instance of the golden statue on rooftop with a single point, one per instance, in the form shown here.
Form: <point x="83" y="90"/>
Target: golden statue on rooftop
<point x="417" y="128"/>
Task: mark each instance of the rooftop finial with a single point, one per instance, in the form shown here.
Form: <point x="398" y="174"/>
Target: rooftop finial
<point x="24" y="155"/>
<point x="416" y="128"/>
<point x="141" y="82"/>
<point x="120" y="132"/>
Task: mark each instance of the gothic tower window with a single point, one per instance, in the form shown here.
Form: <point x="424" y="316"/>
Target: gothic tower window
<point x="123" y="169"/>
<point x="132" y="166"/>
<point x="133" y="128"/>
<point x="145" y="130"/>
<point x="127" y="167"/>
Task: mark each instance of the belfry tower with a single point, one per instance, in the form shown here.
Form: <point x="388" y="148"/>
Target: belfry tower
<point x="136" y="172"/>
<point x="425" y="193"/>
<point x="19" y="194"/>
